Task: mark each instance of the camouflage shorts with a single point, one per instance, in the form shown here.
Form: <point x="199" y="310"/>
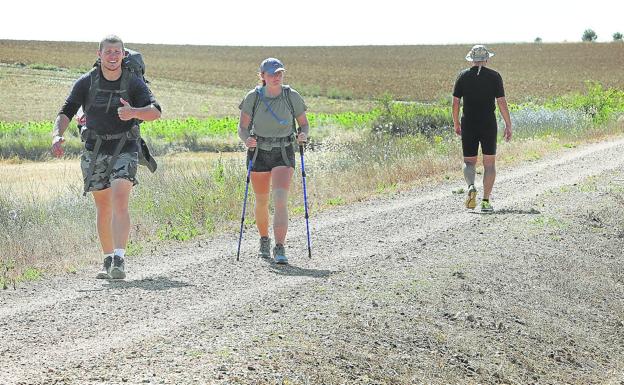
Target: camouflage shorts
<point x="125" y="168"/>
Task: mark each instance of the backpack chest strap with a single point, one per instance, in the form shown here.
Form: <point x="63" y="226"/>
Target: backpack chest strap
<point x="95" y="89"/>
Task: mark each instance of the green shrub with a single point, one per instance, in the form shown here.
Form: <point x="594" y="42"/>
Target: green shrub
<point x="598" y="103"/>
<point x="400" y="118"/>
<point x="335" y="93"/>
<point x="309" y="90"/>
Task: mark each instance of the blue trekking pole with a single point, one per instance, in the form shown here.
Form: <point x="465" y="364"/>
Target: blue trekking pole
<point x="305" y="199"/>
<point x="240" y="236"/>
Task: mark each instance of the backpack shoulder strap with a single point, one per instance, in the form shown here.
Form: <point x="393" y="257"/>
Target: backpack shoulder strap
<point x="286" y="93"/>
<point x="124" y="88"/>
<point x="124" y="84"/>
<point x="255" y="105"/>
<point x="94" y="81"/>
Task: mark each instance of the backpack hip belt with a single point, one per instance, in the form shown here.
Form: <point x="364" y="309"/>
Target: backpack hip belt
<point x="89" y="134"/>
<point x="281" y="142"/>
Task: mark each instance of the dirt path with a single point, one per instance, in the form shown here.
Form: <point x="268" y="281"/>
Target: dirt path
<point x="407" y="288"/>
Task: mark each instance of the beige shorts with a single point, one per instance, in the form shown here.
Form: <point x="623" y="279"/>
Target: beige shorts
<point x="125" y="168"/>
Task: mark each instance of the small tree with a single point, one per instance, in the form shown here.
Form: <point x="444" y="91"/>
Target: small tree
<point x="538" y="39"/>
<point x="589" y="35"/>
<point x="617" y="36"/>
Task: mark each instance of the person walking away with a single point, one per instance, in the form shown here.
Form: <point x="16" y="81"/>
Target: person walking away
<point x="113" y="100"/>
<point x="267" y="126"/>
<point x="479" y="87"/>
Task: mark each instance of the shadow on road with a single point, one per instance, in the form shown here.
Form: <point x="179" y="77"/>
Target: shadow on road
<point x="153" y="284"/>
<point x="291" y="270"/>
<point x="531" y="211"/>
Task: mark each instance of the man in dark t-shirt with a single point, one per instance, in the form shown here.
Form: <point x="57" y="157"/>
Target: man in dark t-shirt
<point x="479" y="87"/>
<point x="114" y="100"/>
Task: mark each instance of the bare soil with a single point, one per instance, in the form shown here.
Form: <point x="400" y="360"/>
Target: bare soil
<point x="402" y="289"/>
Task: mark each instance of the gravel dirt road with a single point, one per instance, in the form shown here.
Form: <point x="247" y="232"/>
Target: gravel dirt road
<point x="402" y="289"/>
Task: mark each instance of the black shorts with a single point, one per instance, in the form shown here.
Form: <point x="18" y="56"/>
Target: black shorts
<point x="267" y="160"/>
<point x="474" y="133"/>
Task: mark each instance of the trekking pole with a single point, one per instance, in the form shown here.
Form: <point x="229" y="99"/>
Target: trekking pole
<point x="240" y="236"/>
<point x="305" y="199"/>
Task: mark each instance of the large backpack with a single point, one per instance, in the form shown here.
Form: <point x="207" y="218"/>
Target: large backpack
<point x="134" y="62"/>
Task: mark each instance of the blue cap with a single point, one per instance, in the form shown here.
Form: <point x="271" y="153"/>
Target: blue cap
<point x="271" y="66"/>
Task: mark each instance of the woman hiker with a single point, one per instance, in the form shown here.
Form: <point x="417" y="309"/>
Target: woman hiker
<point x="267" y="126"/>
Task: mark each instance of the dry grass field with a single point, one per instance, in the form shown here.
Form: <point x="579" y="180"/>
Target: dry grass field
<point x="42" y="181"/>
<point x="46" y="91"/>
<point x="421" y="73"/>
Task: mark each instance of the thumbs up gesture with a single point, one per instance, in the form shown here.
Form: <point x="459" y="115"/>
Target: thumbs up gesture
<point x="126" y="111"/>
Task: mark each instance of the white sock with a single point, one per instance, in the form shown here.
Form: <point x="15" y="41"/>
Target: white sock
<point x="106" y="255"/>
<point x="120" y="252"/>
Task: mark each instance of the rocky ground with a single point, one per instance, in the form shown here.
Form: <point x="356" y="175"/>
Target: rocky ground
<point x="402" y="289"/>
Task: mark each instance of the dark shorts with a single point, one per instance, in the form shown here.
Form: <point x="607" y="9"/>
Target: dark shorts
<point x="475" y="133"/>
<point x="267" y="160"/>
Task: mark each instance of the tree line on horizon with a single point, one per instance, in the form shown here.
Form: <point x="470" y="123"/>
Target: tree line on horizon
<point x="589" y="35"/>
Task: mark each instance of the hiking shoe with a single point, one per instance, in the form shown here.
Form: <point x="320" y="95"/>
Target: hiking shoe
<point x="471" y="199"/>
<point x="106" y="267"/>
<point x="265" y="247"/>
<point x="280" y="254"/>
<point x="486" y="207"/>
<point x="118" y="271"/>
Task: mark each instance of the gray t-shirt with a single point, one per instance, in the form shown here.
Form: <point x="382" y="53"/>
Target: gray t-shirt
<point x="264" y="123"/>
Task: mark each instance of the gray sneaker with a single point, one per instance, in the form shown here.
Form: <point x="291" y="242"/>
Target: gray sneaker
<point x="265" y="247"/>
<point x="106" y="267"/>
<point x="118" y="271"/>
<point x="280" y="254"/>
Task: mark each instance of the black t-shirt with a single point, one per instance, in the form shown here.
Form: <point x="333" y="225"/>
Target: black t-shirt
<point x="108" y="122"/>
<point x="479" y="93"/>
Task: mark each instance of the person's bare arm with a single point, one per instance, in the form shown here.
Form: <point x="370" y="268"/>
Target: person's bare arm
<point x="60" y="125"/>
<point x="243" y="131"/>
<point x="456" y="123"/>
<point x="504" y="110"/>
<point x="302" y="121"/>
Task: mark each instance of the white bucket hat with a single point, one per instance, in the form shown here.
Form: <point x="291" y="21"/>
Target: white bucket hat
<point x="479" y="53"/>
